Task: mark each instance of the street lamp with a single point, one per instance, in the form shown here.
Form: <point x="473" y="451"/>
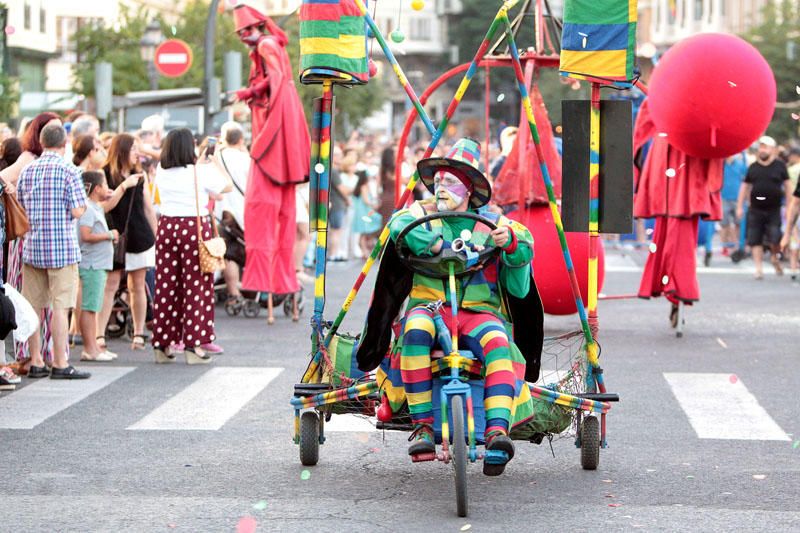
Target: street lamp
<point x="150" y="40"/>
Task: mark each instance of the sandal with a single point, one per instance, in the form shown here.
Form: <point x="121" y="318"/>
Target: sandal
<point x="101" y="342"/>
<point x="139" y="342"/>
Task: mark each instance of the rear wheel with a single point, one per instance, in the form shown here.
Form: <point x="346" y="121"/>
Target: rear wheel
<point x="459" y="454"/>
<point x="590" y="443"/>
<point x="309" y="438"/>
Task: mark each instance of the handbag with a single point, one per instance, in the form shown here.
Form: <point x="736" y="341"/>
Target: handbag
<point x="121" y="247"/>
<point x="211" y="252"/>
<point x="17" y="223"/>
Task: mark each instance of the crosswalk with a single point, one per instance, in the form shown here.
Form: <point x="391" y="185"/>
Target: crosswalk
<point x="716" y="405"/>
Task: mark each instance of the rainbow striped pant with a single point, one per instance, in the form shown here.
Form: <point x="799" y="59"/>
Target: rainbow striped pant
<point x="485" y="337"/>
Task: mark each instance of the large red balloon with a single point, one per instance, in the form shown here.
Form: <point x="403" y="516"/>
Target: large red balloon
<point x="712" y="94"/>
<point x="549" y="269"/>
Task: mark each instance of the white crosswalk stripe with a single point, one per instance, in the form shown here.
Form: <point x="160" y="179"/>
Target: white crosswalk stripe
<point x="29" y="407"/>
<point x="719" y="406"/>
<point x="210" y="401"/>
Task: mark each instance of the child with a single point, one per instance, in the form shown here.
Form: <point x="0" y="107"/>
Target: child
<point x="366" y="220"/>
<point x="97" y="256"/>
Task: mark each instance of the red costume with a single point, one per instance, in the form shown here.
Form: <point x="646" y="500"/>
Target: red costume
<point x="281" y="151"/>
<point x="677" y="201"/>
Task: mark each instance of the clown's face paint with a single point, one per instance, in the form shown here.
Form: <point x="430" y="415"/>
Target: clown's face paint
<point x="450" y="192"/>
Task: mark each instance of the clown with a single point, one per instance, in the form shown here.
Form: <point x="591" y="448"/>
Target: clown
<point x="487" y="299"/>
<point x="280" y="151"/>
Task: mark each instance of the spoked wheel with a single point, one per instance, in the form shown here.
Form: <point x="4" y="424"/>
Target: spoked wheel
<point x="309" y="438"/>
<point x="459" y="454"/>
<point x="287" y="303"/>
<point x="590" y="443"/>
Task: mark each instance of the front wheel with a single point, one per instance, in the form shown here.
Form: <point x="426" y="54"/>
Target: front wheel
<point x="590" y="443"/>
<point x="309" y="438"/>
<point x="459" y="454"/>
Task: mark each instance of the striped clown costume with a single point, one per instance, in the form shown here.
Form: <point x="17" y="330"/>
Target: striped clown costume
<point x="484" y="322"/>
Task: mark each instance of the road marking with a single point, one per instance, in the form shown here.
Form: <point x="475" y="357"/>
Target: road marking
<point x="349" y="423"/>
<point x="719" y="407"/>
<point x="35" y="403"/>
<point x="743" y="271"/>
<point x="210" y="401"/>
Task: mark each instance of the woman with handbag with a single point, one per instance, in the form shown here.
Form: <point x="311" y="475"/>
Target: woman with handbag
<point x="134" y="218"/>
<point x="186" y="253"/>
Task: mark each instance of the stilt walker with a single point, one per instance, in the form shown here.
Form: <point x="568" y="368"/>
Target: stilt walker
<point x="280" y="152"/>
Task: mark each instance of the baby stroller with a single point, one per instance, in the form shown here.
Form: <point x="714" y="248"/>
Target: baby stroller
<point x="251" y="302"/>
<point x="121" y="320"/>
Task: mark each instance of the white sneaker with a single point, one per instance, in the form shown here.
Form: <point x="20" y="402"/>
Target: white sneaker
<point x="102" y="357"/>
<point x="111" y="354"/>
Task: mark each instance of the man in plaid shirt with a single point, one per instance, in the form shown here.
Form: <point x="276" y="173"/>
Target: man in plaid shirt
<point x="51" y="191"/>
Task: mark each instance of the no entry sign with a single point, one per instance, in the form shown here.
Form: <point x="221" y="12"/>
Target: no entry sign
<point x="173" y="58"/>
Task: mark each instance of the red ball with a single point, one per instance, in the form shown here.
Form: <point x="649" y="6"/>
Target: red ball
<point x="549" y="269"/>
<point x="712" y="94"/>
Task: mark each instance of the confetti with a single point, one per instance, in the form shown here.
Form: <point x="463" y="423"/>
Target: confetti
<point x="651" y="470"/>
<point x="797" y="89"/>
<point x="501" y="97"/>
<point x="689" y="477"/>
<point x="10" y="30"/>
<point x="172" y="526"/>
<point x="665" y="280"/>
<point x="796" y="444"/>
<point x="607" y="481"/>
<point x="795" y="116"/>
<point x="759" y="476"/>
<point x="734" y="378"/>
<point x="319" y="168"/>
<point x="731" y="84"/>
<point x="615" y="505"/>
<point x="610" y="496"/>
<point x="247" y="524"/>
<point x="260" y="505"/>
<point x="649" y="231"/>
<point x="670" y="173"/>
<point x="174" y="30"/>
<point x="653" y="247"/>
<point x="722" y="343"/>
<point x="466" y="527"/>
<point x="662" y="134"/>
<point x="305" y="474"/>
<point x="374" y="450"/>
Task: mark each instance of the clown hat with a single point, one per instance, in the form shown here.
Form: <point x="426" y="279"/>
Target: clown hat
<point x="245" y="16"/>
<point x="462" y="161"/>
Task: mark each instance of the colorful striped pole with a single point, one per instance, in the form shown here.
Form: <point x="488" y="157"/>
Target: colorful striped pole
<point x="335" y="396"/>
<point x="591" y="346"/>
<point x="451" y="109"/>
<point x="396" y="66"/>
<point x="594" y="224"/>
<point x="568" y="400"/>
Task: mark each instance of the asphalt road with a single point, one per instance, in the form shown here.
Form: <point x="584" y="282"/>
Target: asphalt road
<point x="142" y="451"/>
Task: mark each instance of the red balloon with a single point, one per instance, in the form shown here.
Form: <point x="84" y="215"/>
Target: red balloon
<point x="713" y="95"/>
<point x="549" y="269"/>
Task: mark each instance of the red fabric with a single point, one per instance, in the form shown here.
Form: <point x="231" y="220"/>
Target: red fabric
<point x="281" y="154"/>
<point x="694" y="191"/>
<point x="269" y="238"/>
<point x="675" y="240"/>
<point x="520" y="180"/>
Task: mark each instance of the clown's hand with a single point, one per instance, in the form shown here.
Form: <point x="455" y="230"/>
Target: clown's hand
<point x="501" y="236"/>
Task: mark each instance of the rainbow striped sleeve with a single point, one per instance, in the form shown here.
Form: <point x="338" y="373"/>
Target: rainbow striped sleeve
<point x="332" y="42"/>
<point x="599" y="40"/>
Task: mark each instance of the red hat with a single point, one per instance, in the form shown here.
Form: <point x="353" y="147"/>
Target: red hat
<point x="246" y="16"/>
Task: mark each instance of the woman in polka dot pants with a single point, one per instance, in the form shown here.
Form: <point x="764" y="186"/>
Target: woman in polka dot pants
<point x="184" y="299"/>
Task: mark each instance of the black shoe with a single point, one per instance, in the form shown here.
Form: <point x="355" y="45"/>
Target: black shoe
<point x="707" y="259"/>
<point x="501" y="443"/>
<point x="36" y="372"/>
<point x="68" y="373"/>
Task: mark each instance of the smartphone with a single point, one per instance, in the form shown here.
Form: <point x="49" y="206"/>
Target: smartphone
<point x="211" y="146"/>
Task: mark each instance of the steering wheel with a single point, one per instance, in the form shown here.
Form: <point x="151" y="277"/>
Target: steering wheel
<point x="437" y="266"/>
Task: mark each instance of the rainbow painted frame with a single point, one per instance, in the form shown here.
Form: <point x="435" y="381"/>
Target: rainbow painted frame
<point x="321" y="158"/>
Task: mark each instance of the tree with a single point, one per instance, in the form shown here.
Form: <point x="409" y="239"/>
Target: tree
<point x="9" y="97"/>
<point x="778" y="40"/>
